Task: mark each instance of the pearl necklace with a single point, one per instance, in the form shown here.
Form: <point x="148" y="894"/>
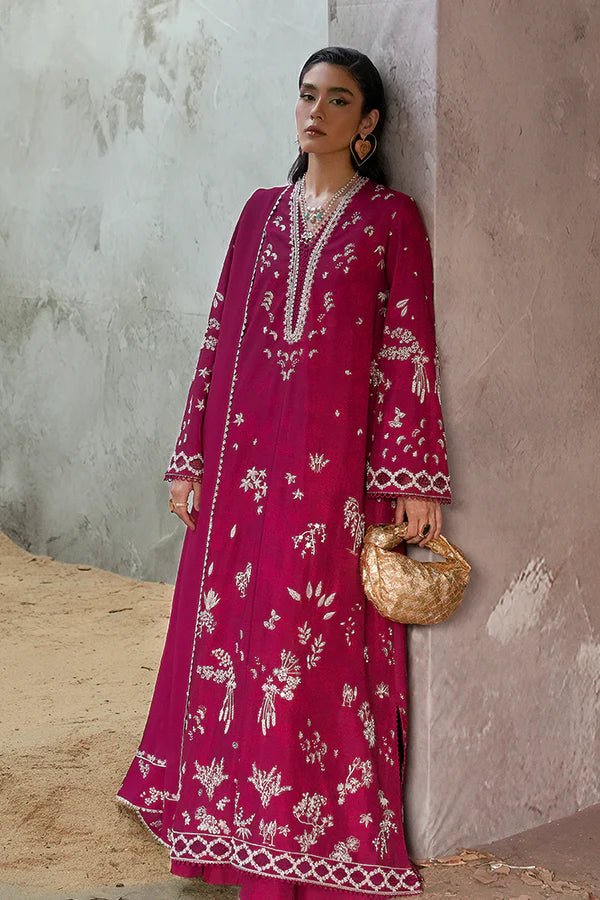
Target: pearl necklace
<point x="316" y="215"/>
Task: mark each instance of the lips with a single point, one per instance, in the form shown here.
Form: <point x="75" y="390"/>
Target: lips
<point x="313" y="131"/>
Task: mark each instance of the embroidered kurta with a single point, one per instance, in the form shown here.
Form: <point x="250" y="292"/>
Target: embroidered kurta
<point x="275" y="743"/>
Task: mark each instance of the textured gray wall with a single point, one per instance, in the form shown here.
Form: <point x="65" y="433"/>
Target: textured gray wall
<point x="495" y="131"/>
<point x="130" y="134"/>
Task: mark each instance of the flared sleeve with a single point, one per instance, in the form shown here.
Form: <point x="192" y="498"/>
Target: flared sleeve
<point x="406" y="448"/>
<point x="187" y="459"/>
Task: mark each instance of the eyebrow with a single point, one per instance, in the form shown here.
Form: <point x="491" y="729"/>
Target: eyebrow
<point x="332" y="90"/>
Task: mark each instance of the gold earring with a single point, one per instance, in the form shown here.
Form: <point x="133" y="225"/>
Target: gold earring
<point x="362" y="149"/>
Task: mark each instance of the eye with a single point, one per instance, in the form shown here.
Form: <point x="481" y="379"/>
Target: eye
<point x="340" y="101"/>
<point x="306" y="96"/>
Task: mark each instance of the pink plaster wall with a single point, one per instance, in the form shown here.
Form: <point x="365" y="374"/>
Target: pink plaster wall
<point x="494" y="128"/>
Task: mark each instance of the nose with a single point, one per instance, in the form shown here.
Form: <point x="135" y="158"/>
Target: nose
<point x="316" y="110"/>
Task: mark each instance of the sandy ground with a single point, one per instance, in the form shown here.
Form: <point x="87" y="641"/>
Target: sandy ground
<point x="79" y="648"/>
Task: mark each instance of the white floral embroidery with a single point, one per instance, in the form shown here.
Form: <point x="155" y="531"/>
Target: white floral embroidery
<point x="342" y="260"/>
<point x="210" y="776"/>
<point x="348" y="695"/>
<point x="360" y="774"/>
<point x="269" y="830"/>
<point x="288" y="676"/>
<point x="324" y="600"/>
<point x="317" y="461"/>
<point x="366" y="717"/>
<point x="196" y="721"/>
<point x="309" y="537"/>
<point x="386" y="825"/>
<point x="308" y="812"/>
<point x="242" y="579"/>
<point x="206" y="619"/>
<point x="313" y="747"/>
<point x="271" y="621"/>
<point x="268" y="784"/>
<point x="224" y="674"/>
<point x="343" y="849"/>
<point x="241" y="824"/>
<point x="354" y="520"/>
<point x="208" y="822"/>
<point x="256" y="480"/>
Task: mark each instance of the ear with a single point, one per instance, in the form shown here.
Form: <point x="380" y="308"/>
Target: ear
<point x="368" y="122"/>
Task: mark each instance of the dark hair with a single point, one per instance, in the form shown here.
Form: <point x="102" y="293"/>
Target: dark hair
<point x="369" y="80"/>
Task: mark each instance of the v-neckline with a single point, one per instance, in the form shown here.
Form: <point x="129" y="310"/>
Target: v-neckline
<point x="293" y="333"/>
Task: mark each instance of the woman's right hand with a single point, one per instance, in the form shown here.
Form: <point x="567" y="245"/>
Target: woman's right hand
<point x="180" y="491"/>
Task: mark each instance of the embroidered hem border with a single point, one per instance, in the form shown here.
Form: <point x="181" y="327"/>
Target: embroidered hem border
<point x="205" y="848"/>
<point x="267" y="861"/>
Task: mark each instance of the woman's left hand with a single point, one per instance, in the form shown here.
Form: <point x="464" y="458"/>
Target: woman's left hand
<point x="419" y="513"/>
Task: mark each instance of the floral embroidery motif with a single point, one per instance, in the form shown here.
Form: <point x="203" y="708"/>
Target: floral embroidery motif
<point x="366" y="717"/>
<point x="360" y="774"/>
<point x="269" y="830"/>
<point x="323" y="599"/>
<point x="408" y="347"/>
<point x="223" y="674"/>
<point x="196" y="720"/>
<point x="308" y="539"/>
<point x="308" y="812"/>
<point x="317" y="461"/>
<point x="386" y="825"/>
<point x="288" y="676"/>
<point x="255" y="480"/>
<point x="342" y="260"/>
<point x="206" y="619"/>
<point x="348" y="695"/>
<point x="209" y="823"/>
<point x="313" y="747"/>
<point x="354" y="520"/>
<point x="242" y="579"/>
<point x="268" y="784"/>
<point x="211" y="776"/>
<point x="343" y="849"/>
<point x="271" y="621"/>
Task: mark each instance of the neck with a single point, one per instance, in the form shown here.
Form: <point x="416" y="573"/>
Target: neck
<point x="327" y="173"/>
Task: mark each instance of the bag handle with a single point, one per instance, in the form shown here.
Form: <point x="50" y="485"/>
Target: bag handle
<point x="389" y="535"/>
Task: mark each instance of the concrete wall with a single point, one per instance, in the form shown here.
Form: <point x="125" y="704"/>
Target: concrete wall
<point x="130" y="134"/>
<point x="496" y="133"/>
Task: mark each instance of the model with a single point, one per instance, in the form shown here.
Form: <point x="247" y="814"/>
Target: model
<point x="274" y="751"/>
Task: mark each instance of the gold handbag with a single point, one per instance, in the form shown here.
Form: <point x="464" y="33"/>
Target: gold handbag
<point x="408" y="591"/>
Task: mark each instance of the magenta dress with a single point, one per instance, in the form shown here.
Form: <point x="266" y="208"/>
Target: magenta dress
<point x="274" y="751"/>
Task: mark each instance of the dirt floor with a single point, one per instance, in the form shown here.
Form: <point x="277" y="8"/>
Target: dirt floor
<point x="79" y="649"/>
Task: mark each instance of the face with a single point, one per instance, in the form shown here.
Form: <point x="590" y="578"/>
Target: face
<point x="330" y="101"/>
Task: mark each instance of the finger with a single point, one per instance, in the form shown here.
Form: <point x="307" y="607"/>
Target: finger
<point x="412" y="527"/>
<point x="196" y="489"/>
<point x="438" y="520"/>
<point x="422" y="526"/>
<point x="186" y="518"/>
<point x="399" y="511"/>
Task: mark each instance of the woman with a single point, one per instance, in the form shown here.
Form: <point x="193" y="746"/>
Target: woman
<point x="274" y="752"/>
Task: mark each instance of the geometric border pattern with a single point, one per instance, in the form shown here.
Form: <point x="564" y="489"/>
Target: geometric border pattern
<point x="402" y="479"/>
<point x="319" y="870"/>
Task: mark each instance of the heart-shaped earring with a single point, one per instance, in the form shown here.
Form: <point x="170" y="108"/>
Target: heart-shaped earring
<point x="361" y="148"/>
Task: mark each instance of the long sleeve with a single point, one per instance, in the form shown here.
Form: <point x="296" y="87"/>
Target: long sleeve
<point x="407" y="444"/>
<point x="187" y="460"/>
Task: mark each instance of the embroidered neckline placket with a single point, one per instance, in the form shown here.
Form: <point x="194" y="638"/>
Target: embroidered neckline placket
<point x="292" y="333"/>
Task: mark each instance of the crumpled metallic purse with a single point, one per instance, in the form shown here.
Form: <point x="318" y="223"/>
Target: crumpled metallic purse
<point x="404" y="589"/>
